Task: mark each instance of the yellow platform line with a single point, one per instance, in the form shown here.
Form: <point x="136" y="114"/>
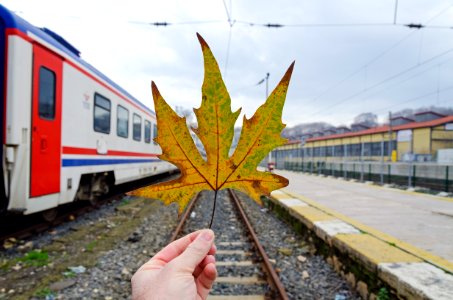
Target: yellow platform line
<point x="392" y="241"/>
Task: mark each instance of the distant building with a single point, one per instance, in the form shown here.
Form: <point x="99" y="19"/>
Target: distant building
<point x="396" y="121"/>
<point x="329" y="131"/>
<point x="342" y="129"/>
<point x="359" y="127"/>
<point x="419" y="141"/>
<point x="305" y="137"/>
<point x="427" y="116"/>
<point x="317" y="134"/>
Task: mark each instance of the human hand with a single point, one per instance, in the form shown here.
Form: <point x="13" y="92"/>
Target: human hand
<point x="185" y="269"/>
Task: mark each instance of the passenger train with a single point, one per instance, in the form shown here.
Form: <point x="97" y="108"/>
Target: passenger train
<point x="68" y="132"/>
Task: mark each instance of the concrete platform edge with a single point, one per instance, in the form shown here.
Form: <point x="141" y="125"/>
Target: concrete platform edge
<point x="383" y="255"/>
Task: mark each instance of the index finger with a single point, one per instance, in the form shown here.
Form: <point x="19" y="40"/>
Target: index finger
<point x="174" y="249"/>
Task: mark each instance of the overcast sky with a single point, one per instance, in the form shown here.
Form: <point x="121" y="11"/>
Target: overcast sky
<point x="394" y="66"/>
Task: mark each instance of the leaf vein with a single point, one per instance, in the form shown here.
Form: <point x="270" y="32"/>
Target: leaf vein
<point x="188" y="158"/>
<point x="249" y="150"/>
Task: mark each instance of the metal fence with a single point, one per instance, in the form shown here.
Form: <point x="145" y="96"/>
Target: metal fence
<point x="432" y="176"/>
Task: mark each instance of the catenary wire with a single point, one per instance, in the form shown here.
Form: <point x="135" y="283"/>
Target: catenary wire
<point x="382" y="82"/>
<point x="386" y="88"/>
<point x="377" y="57"/>
<point x="434" y="92"/>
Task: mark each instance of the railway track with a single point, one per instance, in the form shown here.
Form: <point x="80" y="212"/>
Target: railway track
<point x="18" y="227"/>
<point x="14" y="227"/>
<point x="245" y="270"/>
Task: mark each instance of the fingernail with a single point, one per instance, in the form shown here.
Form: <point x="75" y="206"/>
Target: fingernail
<point x="208" y="235"/>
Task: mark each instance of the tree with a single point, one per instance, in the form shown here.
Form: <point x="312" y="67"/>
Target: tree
<point x="368" y="119"/>
<point x="185" y="112"/>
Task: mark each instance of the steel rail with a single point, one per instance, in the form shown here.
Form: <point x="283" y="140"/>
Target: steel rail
<point x="274" y="280"/>
<point x="37" y="226"/>
<point x="184" y="217"/>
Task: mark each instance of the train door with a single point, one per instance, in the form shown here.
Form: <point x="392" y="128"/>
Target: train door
<point x="46" y="123"/>
<point x="3" y="197"/>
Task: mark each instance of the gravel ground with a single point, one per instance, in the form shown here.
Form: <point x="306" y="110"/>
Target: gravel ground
<point x="110" y="278"/>
<point x="227" y="228"/>
<point x="304" y="275"/>
<point x="42" y="239"/>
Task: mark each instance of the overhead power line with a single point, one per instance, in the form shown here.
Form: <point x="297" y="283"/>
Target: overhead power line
<point x="408" y="78"/>
<point x="377" y="57"/>
<point x="165" y="24"/>
<point x="229" y="13"/>
<point x="382" y="82"/>
<point x="313" y="25"/>
<point x="432" y="93"/>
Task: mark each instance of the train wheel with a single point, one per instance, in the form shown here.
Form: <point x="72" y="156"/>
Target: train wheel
<point x="49" y="215"/>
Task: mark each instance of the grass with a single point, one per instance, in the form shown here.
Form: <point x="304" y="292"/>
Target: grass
<point x="44" y="292"/>
<point x="90" y="246"/>
<point x="74" y="241"/>
<point x="4" y="265"/>
<point x="125" y="202"/>
<point x="35" y="258"/>
<point x="69" y="274"/>
<point x="383" y="294"/>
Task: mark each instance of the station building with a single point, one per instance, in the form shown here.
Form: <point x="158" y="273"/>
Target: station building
<point x="422" y="139"/>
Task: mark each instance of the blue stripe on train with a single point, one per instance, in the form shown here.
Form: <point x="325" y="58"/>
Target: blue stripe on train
<point x="95" y="162"/>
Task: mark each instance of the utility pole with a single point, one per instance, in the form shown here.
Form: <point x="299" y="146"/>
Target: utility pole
<point x="267" y="86"/>
<point x="396" y="12"/>
<point x="390" y="148"/>
<point x="269" y="157"/>
<point x="267" y="92"/>
<point x="362" y="152"/>
<point x="382" y="160"/>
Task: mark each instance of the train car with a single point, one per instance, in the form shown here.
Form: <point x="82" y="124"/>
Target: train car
<point x="69" y="132"/>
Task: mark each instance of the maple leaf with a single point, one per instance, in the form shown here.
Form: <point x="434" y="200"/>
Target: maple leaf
<point x="260" y="134"/>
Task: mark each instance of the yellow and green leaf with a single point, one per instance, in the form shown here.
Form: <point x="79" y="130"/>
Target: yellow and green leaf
<point x="260" y="134"/>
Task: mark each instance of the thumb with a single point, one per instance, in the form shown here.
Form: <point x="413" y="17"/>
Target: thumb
<point x="196" y="251"/>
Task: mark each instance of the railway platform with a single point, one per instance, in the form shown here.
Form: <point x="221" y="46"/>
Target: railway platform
<point x="403" y="237"/>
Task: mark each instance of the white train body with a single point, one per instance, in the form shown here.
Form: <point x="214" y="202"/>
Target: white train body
<point x="68" y="131"/>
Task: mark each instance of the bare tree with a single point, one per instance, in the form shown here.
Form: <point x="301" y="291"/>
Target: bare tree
<point x="187" y="113"/>
<point x="368" y="118"/>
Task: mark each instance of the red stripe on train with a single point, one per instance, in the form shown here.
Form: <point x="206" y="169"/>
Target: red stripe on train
<point x="89" y="151"/>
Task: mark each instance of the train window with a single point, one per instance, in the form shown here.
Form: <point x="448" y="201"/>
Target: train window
<point x="147" y="131"/>
<point x="137" y="127"/>
<point x="101" y="114"/>
<point x="122" y="122"/>
<point x="154" y="133"/>
<point x="46" y="102"/>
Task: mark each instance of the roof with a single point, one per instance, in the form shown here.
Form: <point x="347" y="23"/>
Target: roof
<point x="13" y="21"/>
<point x="360" y="125"/>
<point x="382" y="129"/>
<point x="404" y="118"/>
<point x="429" y="112"/>
<point x="290" y="142"/>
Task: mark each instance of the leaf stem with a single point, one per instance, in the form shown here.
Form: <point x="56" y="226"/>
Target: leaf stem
<point x="213" y="209"/>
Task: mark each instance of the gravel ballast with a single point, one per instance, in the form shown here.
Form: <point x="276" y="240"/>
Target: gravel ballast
<point x="304" y="274"/>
